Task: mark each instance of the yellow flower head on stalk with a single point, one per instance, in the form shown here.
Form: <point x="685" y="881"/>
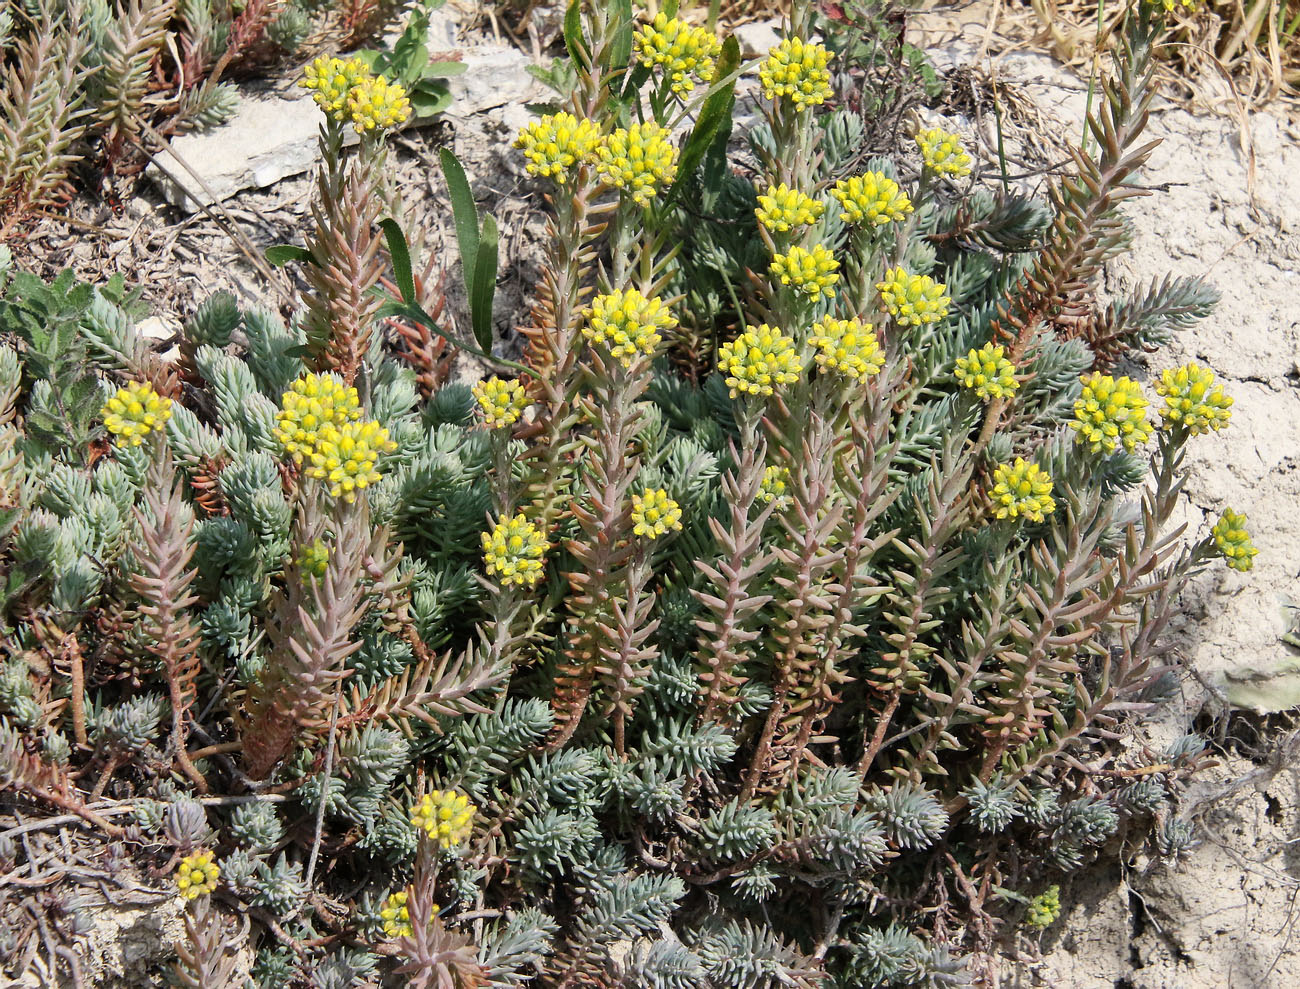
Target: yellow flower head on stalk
<point x="942" y="153"/>
<point x="396" y="916"/>
<point x="344" y="457"/>
<point x="988" y="373"/>
<point x="679" y="49"/>
<point x="627" y="324"/>
<point x="773" y="486"/>
<point x="556" y="144"/>
<point x="1022" y="489"/>
<point x="638" y="160"/>
<point x="374" y="103"/>
<point x="781" y="209"/>
<point x="847" y="347"/>
<point x="1193" y="400"/>
<point x="197" y="874"/>
<point x="1233" y="541"/>
<point x="913" y="300"/>
<point x="501" y="401"/>
<point x="797" y="69"/>
<point x="759" y="361"/>
<point x="871" y="200"/>
<point x="445" y="816"/>
<point x="136" y="411"/>
<point x="654" y="514"/>
<point x="513" y="551"/>
<point x="1110" y="413"/>
<point x="312" y="402"/>
<point x="331" y="80"/>
<point x="1169" y="6"/>
<point x="314" y="559"/>
<point x="1044" y="908"/>
<point x="810" y="272"/>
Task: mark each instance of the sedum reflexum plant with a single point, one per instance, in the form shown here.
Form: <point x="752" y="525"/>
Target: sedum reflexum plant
<point x="614" y="669"/>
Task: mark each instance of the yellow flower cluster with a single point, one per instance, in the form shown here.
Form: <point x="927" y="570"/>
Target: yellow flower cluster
<point x="942" y="153"/>
<point x="345" y="457"/>
<point x="1233" y="541"/>
<point x="638" y="160"/>
<point x="1044" y="908"/>
<point x="1193" y="400"/>
<point x="445" y="816"/>
<point x="350" y="91"/>
<point x="988" y="373"/>
<point x="513" y="551"/>
<point x="312" y="402"/>
<point x="913" y="300"/>
<point x="376" y="103"/>
<point x="197" y="874"/>
<point x="314" y="559"/>
<point x="681" y="50"/>
<point x="502" y="402"/>
<point x="331" y="80"/>
<point x="772" y="488"/>
<point x="1022" y="489"/>
<point x="797" y="69"/>
<point x="654" y="514"/>
<point x="557" y="143"/>
<point x="759" y="361"/>
<point x="812" y="273"/>
<point x="781" y="209"/>
<point x="848" y="347"/>
<point x="872" y="199"/>
<point x="397" y="916"/>
<point x="1169" y="6"/>
<point x="136" y="411"/>
<point x="627" y="324"/>
<point x="1110" y="413"/>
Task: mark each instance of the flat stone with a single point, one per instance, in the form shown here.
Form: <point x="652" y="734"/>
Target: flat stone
<point x="757" y="37"/>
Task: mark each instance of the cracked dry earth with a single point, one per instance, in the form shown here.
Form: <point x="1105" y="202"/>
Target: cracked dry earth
<point x="1227" y="207"/>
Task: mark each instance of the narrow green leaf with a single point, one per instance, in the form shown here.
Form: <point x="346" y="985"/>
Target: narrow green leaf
<point x="484" y="286"/>
<point x="282" y="254"/>
<point x="620" y="49"/>
<point x="573" y="32"/>
<point x="714" y="115"/>
<point x="400" y="252"/>
<point x="463" y="209"/>
<point x="443" y="70"/>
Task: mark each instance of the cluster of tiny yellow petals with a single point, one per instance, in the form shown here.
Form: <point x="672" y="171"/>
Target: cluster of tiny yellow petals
<point x="445" y="816"/>
<point x="314" y="559"/>
<point x="811" y="272"/>
<point x="942" y="152"/>
<point x="638" y="160"/>
<point x="1169" y="6"/>
<point x="759" y="361"/>
<point x="1045" y="908"/>
<point x="501" y="401"/>
<point x="848" y="347"/>
<point x="654" y="514"/>
<point x="345" y="457"/>
<point x="1022" y="489"/>
<point x="773" y="486"/>
<point x="684" y="52"/>
<point x="375" y="103"/>
<point x="797" y="69"/>
<point x="396" y="916"/>
<point x="197" y="874"/>
<point x="556" y="144"/>
<point x="872" y="199"/>
<point x="1110" y="413"/>
<point x="781" y="209"/>
<point x="136" y="411"/>
<point x="988" y="373"/>
<point x="1233" y="541"/>
<point x="311" y="403"/>
<point x="913" y="300"/>
<point x="1193" y="400"/>
<point x="627" y="324"/>
<point x="513" y="551"/>
<point x="331" y="80"/>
